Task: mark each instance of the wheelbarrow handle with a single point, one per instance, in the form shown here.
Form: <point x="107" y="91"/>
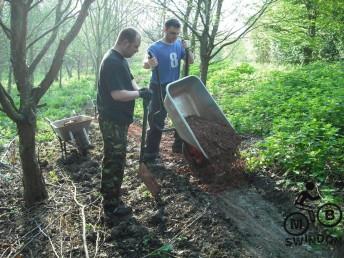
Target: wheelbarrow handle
<point x="144" y="127"/>
<point x="48" y="120"/>
<point x="156" y="69"/>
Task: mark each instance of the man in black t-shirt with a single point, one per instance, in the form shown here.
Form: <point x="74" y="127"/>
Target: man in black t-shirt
<point x="117" y="91"/>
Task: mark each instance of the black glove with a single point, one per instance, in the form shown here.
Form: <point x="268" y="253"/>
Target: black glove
<point x="145" y="93"/>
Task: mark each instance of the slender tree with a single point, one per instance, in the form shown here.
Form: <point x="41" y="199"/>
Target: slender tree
<point x="106" y="18"/>
<point x="206" y="27"/>
<point x="24" y="115"/>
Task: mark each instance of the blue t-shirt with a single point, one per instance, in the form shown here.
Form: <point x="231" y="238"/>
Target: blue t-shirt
<point x="168" y="56"/>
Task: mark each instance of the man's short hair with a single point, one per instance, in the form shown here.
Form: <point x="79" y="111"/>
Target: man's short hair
<point x="172" y="23"/>
<point x="129" y="34"/>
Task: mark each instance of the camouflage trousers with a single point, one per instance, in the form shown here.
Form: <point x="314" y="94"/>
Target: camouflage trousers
<point x="114" y="157"/>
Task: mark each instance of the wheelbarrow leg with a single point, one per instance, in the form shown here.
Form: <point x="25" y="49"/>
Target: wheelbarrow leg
<point x="62" y="145"/>
<point x="65" y="148"/>
<point x="86" y="136"/>
<point x="72" y="137"/>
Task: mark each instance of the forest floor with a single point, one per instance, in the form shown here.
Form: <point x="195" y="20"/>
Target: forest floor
<point x="197" y="219"/>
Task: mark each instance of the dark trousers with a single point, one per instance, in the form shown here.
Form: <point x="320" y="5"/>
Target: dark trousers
<point x="114" y="156"/>
<point x="156" y="120"/>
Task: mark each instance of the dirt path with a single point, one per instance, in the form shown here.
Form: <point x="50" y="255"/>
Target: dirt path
<point x="197" y="220"/>
<point x="259" y="223"/>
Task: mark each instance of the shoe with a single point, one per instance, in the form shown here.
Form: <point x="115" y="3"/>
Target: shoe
<point x="150" y="157"/>
<point x="120" y="210"/>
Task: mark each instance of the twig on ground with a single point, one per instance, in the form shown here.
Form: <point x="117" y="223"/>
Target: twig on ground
<point x="61" y="241"/>
<point x="33" y="237"/>
<point x="3" y="253"/>
<point x="46" y="235"/>
<point x="97" y="240"/>
<point x="193" y="219"/>
<point x="83" y="218"/>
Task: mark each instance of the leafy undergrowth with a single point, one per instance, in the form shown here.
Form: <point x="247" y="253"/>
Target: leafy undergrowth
<point x="297" y="116"/>
<point x="75" y="96"/>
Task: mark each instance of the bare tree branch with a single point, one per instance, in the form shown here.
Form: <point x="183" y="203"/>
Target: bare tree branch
<point x="18" y="48"/>
<point x="35" y="4"/>
<point x="52" y="38"/>
<point x="1" y="5"/>
<point x="61" y="49"/>
<point x="250" y="25"/>
<point x="51" y="29"/>
<point x="180" y="17"/>
<point x="6" y="30"/>
<point x="217" y="19"/>
<point x="39" y="25"/>
<point x="8" y="106"/>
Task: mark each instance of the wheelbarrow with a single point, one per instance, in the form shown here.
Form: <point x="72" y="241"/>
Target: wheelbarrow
<point x="189" y="97"/>
<point x="73" y="130"/>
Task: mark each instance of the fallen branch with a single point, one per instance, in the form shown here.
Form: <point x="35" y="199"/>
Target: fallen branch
<point x="82" y="208"/>
<point x="46" y="235"/>
<point x="33" y="238"/>
<point x="193" y="219"/>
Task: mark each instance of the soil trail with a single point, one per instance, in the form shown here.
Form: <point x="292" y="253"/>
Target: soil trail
<point x="260" y="224"/>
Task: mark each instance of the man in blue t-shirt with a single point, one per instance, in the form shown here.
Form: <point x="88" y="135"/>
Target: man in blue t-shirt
<point x="166" y="55"/>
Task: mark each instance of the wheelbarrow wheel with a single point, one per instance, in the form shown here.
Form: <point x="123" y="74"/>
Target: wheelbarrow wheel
<point x="193" y="156"/>
<point x="200" y="166"/>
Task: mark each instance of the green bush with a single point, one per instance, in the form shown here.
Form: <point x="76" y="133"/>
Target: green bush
<point x="299" y="112"/>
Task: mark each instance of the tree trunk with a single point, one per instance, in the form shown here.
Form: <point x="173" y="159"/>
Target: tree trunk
<point x="9" y="82"/>
<point x="204" y="70"/>
<point x="60" y="77"/>
<point x="193" y="36"/>
<point x="79" y="69"/>
<point x="205" y="59"/>
<point x="96" y="64"/>
<point x="34" y="187"/>
<point x="311" y="7"/>
<point x="307" y="55"/>
<point x="69" y="70"/>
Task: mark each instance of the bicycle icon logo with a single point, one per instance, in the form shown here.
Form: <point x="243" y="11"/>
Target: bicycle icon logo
<point x="297" y="223"/>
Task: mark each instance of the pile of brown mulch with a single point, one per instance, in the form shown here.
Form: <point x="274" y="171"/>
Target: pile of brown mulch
<point x="221" y="143"/>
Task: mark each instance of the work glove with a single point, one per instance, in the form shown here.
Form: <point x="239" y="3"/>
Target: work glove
<point x="145" y="93"/>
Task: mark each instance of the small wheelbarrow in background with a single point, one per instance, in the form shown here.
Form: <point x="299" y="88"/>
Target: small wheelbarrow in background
<point x="73" y="130"/>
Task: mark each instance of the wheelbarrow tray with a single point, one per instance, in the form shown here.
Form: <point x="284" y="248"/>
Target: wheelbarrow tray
<point x="189" y="97"/>
<point x="72" y="124"/>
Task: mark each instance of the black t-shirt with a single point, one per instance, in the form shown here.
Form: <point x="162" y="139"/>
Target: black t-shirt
<point x="114" y="74"/>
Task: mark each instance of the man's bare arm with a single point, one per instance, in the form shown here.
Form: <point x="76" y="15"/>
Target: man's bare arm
<point x="124" y="95"/>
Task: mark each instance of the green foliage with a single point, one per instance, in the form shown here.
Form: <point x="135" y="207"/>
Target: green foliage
<point x="162" y="252"/>
<point x="301" y="31"/>
<point x="60" y="103"/>
<point x="63" y="102"/>
<point x="299" y="112"/>
<point x="296" y="114"/>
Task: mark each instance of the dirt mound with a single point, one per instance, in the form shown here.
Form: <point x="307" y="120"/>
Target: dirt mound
<point x="219" y="140"/>
<point x="221" y="143"/>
